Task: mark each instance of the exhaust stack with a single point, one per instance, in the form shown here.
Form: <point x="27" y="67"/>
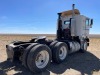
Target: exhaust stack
<point x="73" y="7"/>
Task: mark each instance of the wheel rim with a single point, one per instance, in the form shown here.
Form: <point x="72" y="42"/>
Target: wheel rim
<point x="62" y="52"/>
<point x="42" y="59"/>
<point x="85" y="46"/>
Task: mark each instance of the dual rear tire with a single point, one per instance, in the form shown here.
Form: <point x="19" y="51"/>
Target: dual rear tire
<point x="59" y="51"/>
<point x="37" y="57"/>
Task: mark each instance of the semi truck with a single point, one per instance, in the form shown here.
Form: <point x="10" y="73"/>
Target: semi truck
<point x="72" y="36"/>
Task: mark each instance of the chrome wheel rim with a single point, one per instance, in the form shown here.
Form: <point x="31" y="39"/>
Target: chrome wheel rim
<point x="62" y="53"/>
<point x="42" y="59"/>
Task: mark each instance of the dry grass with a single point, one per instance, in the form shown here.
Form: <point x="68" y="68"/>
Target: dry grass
<point x="77" y="64"/>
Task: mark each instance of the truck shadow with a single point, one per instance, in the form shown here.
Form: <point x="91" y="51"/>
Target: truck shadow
<point x="85" y="63"/>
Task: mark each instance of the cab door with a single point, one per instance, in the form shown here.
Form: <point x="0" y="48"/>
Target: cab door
<point x="87" y="24"/>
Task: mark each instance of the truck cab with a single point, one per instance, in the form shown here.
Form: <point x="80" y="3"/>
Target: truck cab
<point x="73" y="26"/>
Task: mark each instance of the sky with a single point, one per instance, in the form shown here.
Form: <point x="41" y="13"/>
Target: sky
<point x="40" y="16"/>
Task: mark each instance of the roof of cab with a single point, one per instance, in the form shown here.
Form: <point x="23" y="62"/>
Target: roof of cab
<point x="69" y="12"/>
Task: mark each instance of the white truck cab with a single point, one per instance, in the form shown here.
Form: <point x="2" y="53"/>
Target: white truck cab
<point x="80" y="25"/>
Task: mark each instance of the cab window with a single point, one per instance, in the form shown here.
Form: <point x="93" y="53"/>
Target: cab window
<point x="67" y="22"/>
<point x="87" y="22"/>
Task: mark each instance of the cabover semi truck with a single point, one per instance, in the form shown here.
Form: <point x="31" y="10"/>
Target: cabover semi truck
<point x="37" y="53"/>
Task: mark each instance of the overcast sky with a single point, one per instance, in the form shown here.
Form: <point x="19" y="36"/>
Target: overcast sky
<point x="40" y="16"/>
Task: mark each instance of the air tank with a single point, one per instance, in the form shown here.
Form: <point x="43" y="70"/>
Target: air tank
<point x="74" y="46"/>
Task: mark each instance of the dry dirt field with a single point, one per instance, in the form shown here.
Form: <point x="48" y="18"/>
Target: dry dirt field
<point x="77" y="64"/>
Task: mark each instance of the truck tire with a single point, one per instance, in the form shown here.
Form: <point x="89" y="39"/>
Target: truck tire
<point x="53" y="44"/>
<point x="26" y="52"/>
<point x="59" y="52"/>
<point x="39" y="58"/>
<point x="84" y="47"/>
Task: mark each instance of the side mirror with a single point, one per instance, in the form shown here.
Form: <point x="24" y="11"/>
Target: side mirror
<point x="91" y="23"/>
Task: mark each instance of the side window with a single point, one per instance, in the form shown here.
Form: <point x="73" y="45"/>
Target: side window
<point x="87" y="22"/>
<point x="67" y="22"/>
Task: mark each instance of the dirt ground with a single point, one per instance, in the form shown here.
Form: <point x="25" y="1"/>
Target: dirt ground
<point x="77" y="64"/>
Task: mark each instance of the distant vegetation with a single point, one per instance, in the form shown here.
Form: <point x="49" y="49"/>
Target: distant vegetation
<point x="48" y="35"/>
